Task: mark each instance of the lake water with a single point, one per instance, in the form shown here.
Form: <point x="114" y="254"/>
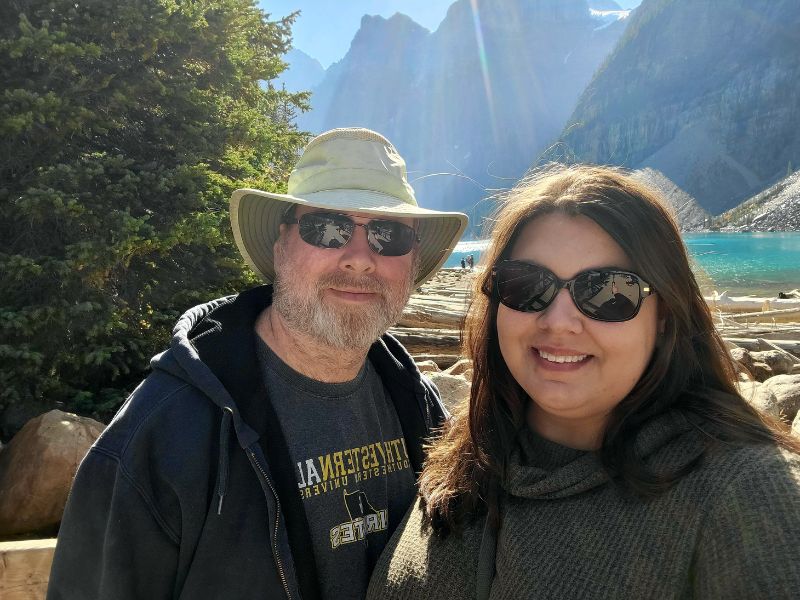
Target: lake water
<point x="741" y="263"/>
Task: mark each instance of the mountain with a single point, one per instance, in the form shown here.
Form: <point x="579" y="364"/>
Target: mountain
<point x="369" y="85"/>
<point x="775" y="209"/>
<point x="704" y="91"/>
<point x="302" y="74"/>
<point x="472" y="105"/>
<point x="604" y="5"/>
<point x="690" y="215"/>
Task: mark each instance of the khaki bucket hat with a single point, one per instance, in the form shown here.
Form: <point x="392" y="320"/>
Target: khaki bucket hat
<point x="348" y="169"/>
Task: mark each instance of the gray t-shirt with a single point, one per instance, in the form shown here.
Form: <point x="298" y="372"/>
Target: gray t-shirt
<point x="352" y="469"/>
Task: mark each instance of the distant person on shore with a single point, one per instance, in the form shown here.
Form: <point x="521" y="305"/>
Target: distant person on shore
<point x="463" y="264"/>
<point x="470" y="262"/>
<point x="276" y="445"/>
<point x="601" y="454"/>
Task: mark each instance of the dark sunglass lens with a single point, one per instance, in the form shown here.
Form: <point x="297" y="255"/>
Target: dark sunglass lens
<point x="525" y="287"/>
<point x="607" y="295"/>
<point x="325" y="230"/>
<point x="390" y="238"/>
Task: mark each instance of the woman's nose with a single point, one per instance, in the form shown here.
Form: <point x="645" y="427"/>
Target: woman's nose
<point x="562" y="315"/>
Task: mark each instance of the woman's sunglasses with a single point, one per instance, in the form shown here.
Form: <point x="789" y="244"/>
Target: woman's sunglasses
<point x="334" y="230"/>
<point x="601" y="294"/>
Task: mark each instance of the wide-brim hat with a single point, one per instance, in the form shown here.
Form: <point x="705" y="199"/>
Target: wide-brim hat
<point x="349" y="170"/>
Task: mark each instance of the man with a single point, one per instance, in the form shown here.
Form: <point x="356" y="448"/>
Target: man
<point x="274" y="448"/>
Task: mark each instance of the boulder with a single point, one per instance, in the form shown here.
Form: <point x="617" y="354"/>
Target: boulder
<point x="761" y="371"/>
<point x="786" y="389"/>
<point x="453" y="388"/>
<point x="743" y="357"/>
<point x="460" y="367"/>
<point x="781" y="363"/>
<point x="428" y="366"/>
<point x="762" y="399"/>
<point x="37" y="468"/>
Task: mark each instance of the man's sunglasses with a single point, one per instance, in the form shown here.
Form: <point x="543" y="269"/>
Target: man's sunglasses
<point x="601" y="294"/>
<point x="334" y="230"/>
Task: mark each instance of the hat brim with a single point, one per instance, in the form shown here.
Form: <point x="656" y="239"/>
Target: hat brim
<point x="256" y="218"/>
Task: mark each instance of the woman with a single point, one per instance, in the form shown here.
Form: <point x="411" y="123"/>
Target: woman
<point x="605" y="451"/>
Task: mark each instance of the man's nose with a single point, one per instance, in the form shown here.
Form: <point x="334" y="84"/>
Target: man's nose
<point x="357" y="256"/>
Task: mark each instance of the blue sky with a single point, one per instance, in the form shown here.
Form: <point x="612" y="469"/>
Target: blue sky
<point x="325" y="28"/>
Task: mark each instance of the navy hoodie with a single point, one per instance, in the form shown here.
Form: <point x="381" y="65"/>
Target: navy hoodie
<point x="180" y="496"/>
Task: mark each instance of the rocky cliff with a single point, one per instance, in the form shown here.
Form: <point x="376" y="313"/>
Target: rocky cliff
<point x="704" y="91"/>
<point x="690" y="215"/>
<point x="775" y="209"/>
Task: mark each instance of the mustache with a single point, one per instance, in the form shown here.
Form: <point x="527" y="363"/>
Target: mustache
<point x="369" y="284"/>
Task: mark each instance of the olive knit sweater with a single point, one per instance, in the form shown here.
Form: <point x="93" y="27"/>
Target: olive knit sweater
<point x="730" y="529"/>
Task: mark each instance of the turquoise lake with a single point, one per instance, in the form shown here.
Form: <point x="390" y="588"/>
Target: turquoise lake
<point x="741" y="263"/>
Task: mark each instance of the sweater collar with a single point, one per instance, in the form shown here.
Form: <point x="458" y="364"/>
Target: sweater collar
<point x="541" y="469"/>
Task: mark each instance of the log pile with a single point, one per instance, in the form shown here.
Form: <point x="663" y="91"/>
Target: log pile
<point x="430" y="327"/>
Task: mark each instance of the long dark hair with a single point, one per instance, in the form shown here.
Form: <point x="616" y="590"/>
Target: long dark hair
<point x="690" y="369"/>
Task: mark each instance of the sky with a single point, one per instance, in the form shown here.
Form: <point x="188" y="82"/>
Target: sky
<point x="325" y="28"/>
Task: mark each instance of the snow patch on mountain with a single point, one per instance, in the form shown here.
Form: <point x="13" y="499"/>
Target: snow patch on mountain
<point x="608" y="17"/>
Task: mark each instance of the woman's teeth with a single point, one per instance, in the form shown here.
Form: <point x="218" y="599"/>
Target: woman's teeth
<point x="561" y="358"/>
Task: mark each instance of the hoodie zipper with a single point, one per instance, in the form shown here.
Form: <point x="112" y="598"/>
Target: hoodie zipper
<point x="281" y="572"/>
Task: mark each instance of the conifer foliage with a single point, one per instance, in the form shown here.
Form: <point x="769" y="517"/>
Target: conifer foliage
<point x="124" y="127"/>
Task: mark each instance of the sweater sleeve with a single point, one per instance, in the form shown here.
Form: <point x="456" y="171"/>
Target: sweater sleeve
<point x="749" y="545"/>
<point x="112" y="543"/>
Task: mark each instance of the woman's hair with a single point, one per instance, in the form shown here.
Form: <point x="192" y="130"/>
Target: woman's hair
<point x="690" y="369"/>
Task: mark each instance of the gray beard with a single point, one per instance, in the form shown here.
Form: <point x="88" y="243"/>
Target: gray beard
<point x="304" y="309"/>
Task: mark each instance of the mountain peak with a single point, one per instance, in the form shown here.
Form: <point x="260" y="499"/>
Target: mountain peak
<point x="397" y="21"/>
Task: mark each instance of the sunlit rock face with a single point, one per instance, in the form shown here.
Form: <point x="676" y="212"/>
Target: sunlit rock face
<point x="774" y="209"/>
<point x="479" y="99"/>
<point x="689" y="214"/>
<point x="705" y="92"/>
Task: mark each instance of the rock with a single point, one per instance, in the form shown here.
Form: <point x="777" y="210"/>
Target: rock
<point x="442" y="360"/>
<point x="428" y="366"/>
<point x="37" y="468"/>
<point x="453" y="388"/>
<point x="786" y="389"/>
<point x="779" y="362"/>
<point x="761" y="371"/>
<point x="762" y="399"/>
<point x="460" y="367"/>
<point x="743" y="357"/>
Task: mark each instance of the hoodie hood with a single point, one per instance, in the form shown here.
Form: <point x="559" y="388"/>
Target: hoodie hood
<point x="544" y="470"/>
<point x="189" y="357"/>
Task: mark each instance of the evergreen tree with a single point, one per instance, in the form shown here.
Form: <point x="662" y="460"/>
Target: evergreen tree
<point x="124" y="127"/>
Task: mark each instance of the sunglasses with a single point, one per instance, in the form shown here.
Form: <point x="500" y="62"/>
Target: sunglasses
<point x="602" y="294"/>
<point x="334" y="230"/>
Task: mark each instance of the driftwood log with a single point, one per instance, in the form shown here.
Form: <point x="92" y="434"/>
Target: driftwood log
<point x="760" y="344"/>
